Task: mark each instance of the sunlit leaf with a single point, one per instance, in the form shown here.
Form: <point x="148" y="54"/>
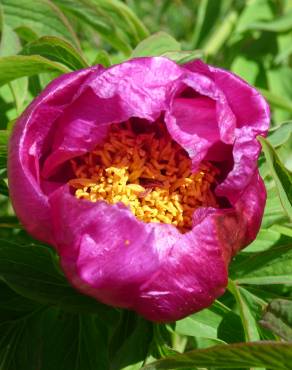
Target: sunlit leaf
<point x="280" y="24"/>
<point x="155" y="45"/>
<point x="265" y="239"/>
<point x="254" y="11"/>
<point x="42" y="16"/>
<point x="114" y="22"/>
<point x="280" y="134"/>
<point x="280" y="84"/>
<point x="102" y="58"/>
<point x="204" y="323"/>
<point x="273" y="355"/>
<point x="208" y="14"/>
<point x="182" y="57"/>
<point x="221" y="34"/>
<point x="56" y="49"/>
<point x="273" y="266"/>
<point x="277" y="101"/>
<point x="18" y="66"/>
<point x="282" y="177"/>
<point x="273" y="211"/>
<point x="244" y="302"/>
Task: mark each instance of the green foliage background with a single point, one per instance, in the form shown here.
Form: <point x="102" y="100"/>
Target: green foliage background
<point x="44" y="323"/>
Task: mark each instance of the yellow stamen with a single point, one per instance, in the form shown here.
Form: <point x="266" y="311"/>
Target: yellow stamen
<point x="147" y="171"/>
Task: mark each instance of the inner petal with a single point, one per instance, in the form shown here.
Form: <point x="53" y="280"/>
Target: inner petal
<point x="144" y="168"/>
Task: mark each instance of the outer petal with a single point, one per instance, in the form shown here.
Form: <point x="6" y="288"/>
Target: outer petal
<point x="69" y="118"/>
<point x="252" y="119"/>
<point x="152" y="268"/>
<point x="137" y="88"/>
<point x="27" y="146"/>
<point x="251" y="207"/>
<point x="200" y="116"/>
<point x="105" y="251"/>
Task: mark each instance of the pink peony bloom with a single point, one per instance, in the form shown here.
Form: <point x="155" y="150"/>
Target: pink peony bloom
<point x="144" y="178"/>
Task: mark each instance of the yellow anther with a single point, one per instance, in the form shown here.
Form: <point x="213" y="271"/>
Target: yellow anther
<point x="149" y="173"/>
<point x="136" y="188"/>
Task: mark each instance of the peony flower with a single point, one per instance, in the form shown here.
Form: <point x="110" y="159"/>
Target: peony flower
<point x="144" y="178"/>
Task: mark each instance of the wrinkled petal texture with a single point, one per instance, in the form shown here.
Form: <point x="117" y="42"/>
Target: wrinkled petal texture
<point x="104" y="250"/>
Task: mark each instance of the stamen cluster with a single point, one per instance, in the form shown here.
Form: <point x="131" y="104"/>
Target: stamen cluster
<point x="147" y="171"/>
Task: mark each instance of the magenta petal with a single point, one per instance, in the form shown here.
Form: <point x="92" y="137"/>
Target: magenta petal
<point x="200" y="121"/>
<point x="112" y="97"/>
<point x="251" y="207"/>
<point x="104" y="250"/>
<point x="151" y="268"/>
<point x="248" y="105"/>
<point x="192" y="276"/>
<point x="252" y="118"/>
<point x="27" y="145"/>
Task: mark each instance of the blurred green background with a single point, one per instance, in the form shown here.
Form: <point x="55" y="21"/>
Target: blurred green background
<point x="41" y="39"/>
<point x="252" y="38"/>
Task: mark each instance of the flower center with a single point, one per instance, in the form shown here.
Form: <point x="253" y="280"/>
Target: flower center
<point x="148" y="172"/>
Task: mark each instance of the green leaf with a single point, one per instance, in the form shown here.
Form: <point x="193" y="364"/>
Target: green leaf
<point x="41" y="16"/>
<point x="4" y="136"/>
<point x="282" y="229"/>
<point x="125" y="17"/>
<point x="83" y="347"/>
<point x="56" y="49"/>
<point x="207" y="14"/>
<point x="282" y="177"/>
<point x="280" y="82"/>
<point x="281" y="24"/>
<point x="253" y="13"/>
<point x="277" y="101"/>
<point x="243" y="301"/>
<point x="14" y="306"/>
<point x="51" y="339"/>
<point x="281" y="134"/>
<point x="18" y="66"/>
<point x="285" y="53"/>
<point x="3" y="188"/>
<point x="273" y="355"/>
<point x="182" y="57"/>
<point x="20" y="342"/>
<point x="221" y="34"/>
<point x="26" y="34"/>
<point x="273" y="266"/>
<point x="204" y="323"/>
<point x="10" y="43"/>
<point x="265" y="239"/>
<point x="133" y="344"/>
<point x="278" y="318"/>
<point x="32" y="272"/>
<point x="114" y="22"/>
<point x="102" y="58"/>
<point x="273" y="211"/>
<point x="19" y="89"/>
<point x="156" y="45"/>
<point x="248" y="69"/>
<point x="231" y="329"/>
